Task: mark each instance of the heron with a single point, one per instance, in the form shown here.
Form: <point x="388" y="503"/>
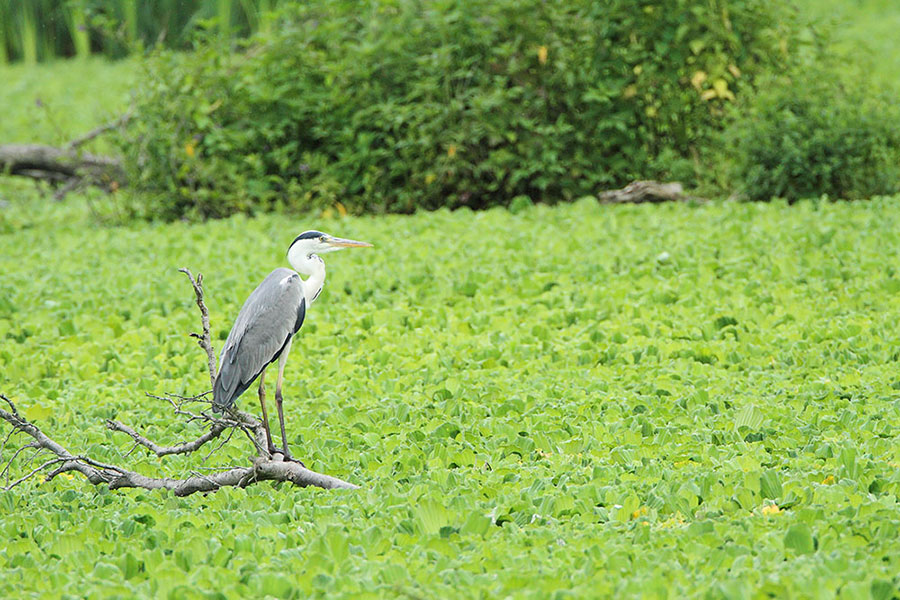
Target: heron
<point x="267" y="323"/>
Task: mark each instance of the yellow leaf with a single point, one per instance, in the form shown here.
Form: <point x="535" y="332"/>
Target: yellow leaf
<point x="429" y="179"/>
<point x="342" y="210"/>
<point x="451" y="150"/>
<point x="828" y="480"/>
<point x="638" y="69"/>
<point x="630" y="92"/>
<point x="734" y="70"/>
<point x="708" y="94"/>
<point x="542" y="55"/>
<point x="698" y="79"/>
<point x="770" y="510"/>
<point x="651" y="111"/>
<point x="722" y="91"/>
<point x="189" y="148"/>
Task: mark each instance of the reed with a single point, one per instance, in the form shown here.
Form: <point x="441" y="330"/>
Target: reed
<point x="35" y="30"/>
<point x="76" y="20"/>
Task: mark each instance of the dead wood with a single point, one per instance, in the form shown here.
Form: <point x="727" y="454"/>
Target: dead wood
<point x="61" y="166"/>
<point x="67" y="168"/>
<point x="639" y="192"/>
<point x="52" y="458"/>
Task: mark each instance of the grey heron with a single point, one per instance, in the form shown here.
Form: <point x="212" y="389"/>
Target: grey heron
<point x="267" y="323"/>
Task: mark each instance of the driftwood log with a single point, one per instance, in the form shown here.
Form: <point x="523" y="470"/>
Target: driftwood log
<point x="68" y="167"/>
<point x="639" y="192"/>
<point x="43" y="456"/>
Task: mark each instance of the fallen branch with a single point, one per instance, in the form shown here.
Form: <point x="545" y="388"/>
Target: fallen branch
<point x="98" y="131"/>
<point x="61" y="166"/>
<point x="639" y="192"/>
<point x="263" y="467"/>
<point x="67" y="167"/>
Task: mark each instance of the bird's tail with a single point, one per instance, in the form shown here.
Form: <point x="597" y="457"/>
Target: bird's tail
<point x="222" y="400"/>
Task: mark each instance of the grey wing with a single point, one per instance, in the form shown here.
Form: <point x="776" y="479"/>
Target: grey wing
<point x="272" y="314"/>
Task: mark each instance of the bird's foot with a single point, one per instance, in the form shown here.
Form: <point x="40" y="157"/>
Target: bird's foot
<point x="284" y="455"/>
<point x="288" y="458"/>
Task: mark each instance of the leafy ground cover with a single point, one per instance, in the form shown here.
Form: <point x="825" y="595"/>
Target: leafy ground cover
<point x="864" y="32"/>
<point x="631" y="400"/>
<point x="654" y="401"/>
<point x="59" y="101"/>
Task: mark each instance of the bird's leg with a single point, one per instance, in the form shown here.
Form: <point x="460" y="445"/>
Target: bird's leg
<point x="265" y="415"/>
<point x="278" y="400"/>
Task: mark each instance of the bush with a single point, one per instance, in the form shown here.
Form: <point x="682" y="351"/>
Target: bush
<point x="406" y="104"/>
<point x="810" y="135"/>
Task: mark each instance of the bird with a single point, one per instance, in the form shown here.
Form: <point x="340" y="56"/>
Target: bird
<point x="267" y="323"/>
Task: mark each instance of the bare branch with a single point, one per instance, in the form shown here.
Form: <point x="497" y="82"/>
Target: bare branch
<point x="262" y="469"/>
<point x="59" y="165"/>
<point x="638" y="192"/>
<point x="32" y="473"/>
<point x="263" y="466"/>
<point x="204" y="341"/>
<point x="182" y="448"/>
<point x="97" y="131"/>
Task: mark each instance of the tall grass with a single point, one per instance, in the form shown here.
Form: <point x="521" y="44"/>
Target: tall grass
<point x="35" y="30"/>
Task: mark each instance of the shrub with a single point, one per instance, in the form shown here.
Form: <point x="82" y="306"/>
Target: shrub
<point x="405" y="104"/>
<point x="809" y="135"/>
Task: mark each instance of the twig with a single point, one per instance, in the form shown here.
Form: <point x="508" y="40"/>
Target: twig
<point x="6" y="440"/>
<point x="204" y="341"/>
<point x="97" y="131"/>
<point x="33" y="473"/>
<point x="9" y="463"/>
<point x="183" y="448"/>
<point x="219" y="447"/>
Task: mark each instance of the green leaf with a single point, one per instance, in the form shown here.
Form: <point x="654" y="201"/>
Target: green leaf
<point x="750" y="417"/>
<point x="432" y="516"/>
<point x="799" y="539"/>
<point x="770" y="484"/>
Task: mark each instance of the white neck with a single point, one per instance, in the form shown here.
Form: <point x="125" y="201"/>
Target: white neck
<point x="308" y="264"/>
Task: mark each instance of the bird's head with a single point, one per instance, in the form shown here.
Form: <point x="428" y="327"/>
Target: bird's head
<point x="310" y="243"/>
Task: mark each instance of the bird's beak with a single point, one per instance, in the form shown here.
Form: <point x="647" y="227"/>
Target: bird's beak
<point x="342" y="243"/>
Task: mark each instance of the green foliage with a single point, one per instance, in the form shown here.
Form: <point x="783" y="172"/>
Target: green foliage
<point x="35" y="30"/>
<point x="809" y="135"/>
<point x="617" y="401"/>
<point x="57" y="102"/>
<point x="393" y="106"/>
<point x="863" y="33"/>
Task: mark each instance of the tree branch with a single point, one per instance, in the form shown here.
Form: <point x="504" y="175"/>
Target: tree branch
<point x="639" y="192"/>
<point x="47" y="162"/>
<point x="183" y="448"/>
<point x="98" y="131"/>
<point x="204" y="341"/>
<point x="263" y="467"/>
<point x="66" y="167"/>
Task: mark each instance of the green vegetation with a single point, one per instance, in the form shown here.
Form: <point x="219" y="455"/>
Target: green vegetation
<point x="54" y="103"/>
<point x="809" y="135"/>
<point x="46" y="29"/>
<point x="604" y="400"/>
<point x="616" y="401"/>
<point x="403" y="105"/>
<point x="863" y="33"/>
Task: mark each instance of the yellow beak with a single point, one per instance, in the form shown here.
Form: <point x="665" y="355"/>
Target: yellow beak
<point x="342" y="243"/>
